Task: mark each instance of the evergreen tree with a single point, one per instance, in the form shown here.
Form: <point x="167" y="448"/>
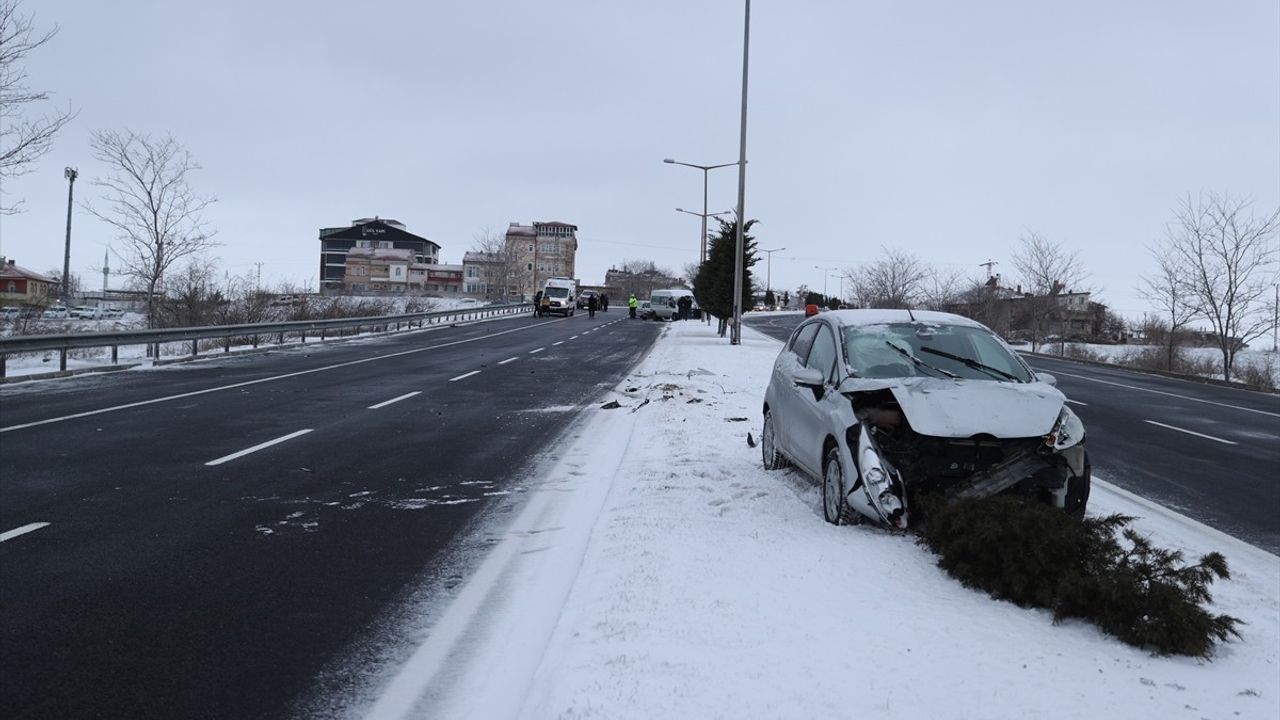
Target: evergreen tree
<point x="713" y="285"/>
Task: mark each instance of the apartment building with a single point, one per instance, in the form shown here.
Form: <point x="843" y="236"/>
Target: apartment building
<point x="539" y="251"/>
<point x="366" y="236"/>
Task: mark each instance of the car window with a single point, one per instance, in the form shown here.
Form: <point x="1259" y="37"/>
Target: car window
<point x="803" y="340"/>
<point x="822" y="356"/>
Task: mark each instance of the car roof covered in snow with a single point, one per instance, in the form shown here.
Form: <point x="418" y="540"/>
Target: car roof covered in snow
<point x="856" y="318"/>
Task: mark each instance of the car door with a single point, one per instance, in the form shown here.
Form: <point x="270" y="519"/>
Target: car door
<point x="786" y="403"/>
<point x="816" y="408"/>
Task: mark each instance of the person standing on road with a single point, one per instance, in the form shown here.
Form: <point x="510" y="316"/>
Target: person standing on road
<point x="604" y="302"/>
<point x="632" y="304"/>
<point x="685" y="303"/>
<point x="537" y="303"/>
<point x="592" y="303"/>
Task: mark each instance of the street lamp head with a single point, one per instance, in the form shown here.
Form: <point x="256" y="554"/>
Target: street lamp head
<point x="70" y="173"/>
<point x="669" y="161"/>
<point x="680" y="210"/>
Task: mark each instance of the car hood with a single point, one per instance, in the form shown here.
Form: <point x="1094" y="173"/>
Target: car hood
<point x="962" y="408"/>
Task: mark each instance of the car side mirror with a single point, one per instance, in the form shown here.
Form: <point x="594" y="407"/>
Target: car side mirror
<point x="808" y="377"/>
<point x="1047" y="379"/>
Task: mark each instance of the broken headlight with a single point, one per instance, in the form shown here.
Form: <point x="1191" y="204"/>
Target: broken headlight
<point x="1067" y="432"/>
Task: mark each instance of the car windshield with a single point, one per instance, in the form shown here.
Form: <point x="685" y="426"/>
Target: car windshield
<point x="919" y="350"/>
<point x="557" y="292"/>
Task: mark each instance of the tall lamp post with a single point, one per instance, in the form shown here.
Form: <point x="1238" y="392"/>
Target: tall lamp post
<point x="736" y="331"/>
<point x="826" y="272"/>
<point x="768" y="283"/>
<point x="70" y="174"/>
<point x="702" y="245"/>
<point x="704" y="215"/>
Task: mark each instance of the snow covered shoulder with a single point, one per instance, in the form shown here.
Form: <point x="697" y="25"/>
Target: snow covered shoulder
<point x="659" y="571"/>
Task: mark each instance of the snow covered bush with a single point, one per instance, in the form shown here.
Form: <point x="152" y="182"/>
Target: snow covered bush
<point x="1094" y="569"/>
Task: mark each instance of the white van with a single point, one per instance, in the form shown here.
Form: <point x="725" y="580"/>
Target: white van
<point x="664" y="304"/>
<point x="560" y="296"/>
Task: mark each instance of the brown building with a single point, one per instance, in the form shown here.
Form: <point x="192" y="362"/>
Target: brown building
<point x="369" y="234"/>
<point x="20" y="286"/>
<point x="540" y="251"/>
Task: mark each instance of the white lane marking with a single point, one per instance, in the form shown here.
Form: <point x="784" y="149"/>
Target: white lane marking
<point x="1162" y="392"/>
<point x="537" y="350"/>
<point x="29" y="527"/>
<point x="464" y="376"/>
<point x="259" y="446"/>
<point x="575" y="337"/>
<point x="504" y="362"/>
<point x="558" y="342"/>
<point x="1077" y="402"/>
<point x="272" y="378"/>
<point x="1192" y="432"/>
<point x="385" y="403"/>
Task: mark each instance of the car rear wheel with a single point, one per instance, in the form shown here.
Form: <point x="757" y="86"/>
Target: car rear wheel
<point x="835" y="509"/>
<point x="773" y="460"/>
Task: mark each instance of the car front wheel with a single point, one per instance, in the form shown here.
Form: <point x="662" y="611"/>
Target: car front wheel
<point x="773" y="459"/>
<point x="835" y="509"/>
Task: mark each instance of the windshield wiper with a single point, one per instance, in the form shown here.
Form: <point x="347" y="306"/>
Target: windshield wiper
<point x="970" y="362"/>
<point x="917" y="361"/>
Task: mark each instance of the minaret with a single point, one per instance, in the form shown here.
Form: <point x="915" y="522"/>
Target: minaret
<point x="105" y="272"/>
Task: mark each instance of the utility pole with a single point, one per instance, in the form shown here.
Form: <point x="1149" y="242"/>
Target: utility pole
<point x="769" y="275"/>
<point x="1275" y="318"/>
<point x="988" y="265"/>
<point x="70" y="174"/>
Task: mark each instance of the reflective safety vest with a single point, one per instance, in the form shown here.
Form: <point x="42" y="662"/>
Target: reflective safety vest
<point x="633" y="302"/>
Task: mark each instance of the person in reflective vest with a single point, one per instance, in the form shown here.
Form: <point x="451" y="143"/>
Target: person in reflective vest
<point x="632" y="304"/>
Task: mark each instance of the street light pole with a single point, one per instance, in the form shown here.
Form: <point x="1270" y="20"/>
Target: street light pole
<point x="826" y="272"/>
<point x="70" y="174"/>
<point x="768" y="283"/>
<point x="736" y="331"/>
<point x="702" y="244"/>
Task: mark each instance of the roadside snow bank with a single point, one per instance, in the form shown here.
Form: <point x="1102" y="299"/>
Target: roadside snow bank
<point x="673" y="577"/>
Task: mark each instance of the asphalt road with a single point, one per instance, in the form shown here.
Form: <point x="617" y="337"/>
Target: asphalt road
<point x="220" y="533"/>
<point x="1210" y="452"/>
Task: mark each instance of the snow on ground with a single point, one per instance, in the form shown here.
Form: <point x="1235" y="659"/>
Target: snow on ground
<point x="655" y="570"/>
<point x="1258" y="357"/>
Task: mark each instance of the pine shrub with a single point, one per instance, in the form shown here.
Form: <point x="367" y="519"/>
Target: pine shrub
<point x="1095" y="569"/>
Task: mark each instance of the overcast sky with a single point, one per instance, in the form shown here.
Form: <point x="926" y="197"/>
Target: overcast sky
<point x="946" y="129"/>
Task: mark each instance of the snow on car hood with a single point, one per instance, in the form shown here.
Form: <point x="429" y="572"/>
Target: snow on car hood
<point x="962" y="408"/>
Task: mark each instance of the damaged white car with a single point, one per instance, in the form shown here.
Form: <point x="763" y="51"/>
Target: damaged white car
<point x="883" y="406"/>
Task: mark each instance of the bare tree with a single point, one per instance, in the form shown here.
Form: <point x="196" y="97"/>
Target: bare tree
<point x="150" y="202"/>
<point x="502" y="266"/>
<point x="23" y="139"/>
<point x="74" y="285"/>
<point x="1169" y="289"/>
<point x="896" y="280"/>
<point x="1046" y="270"/>
<point x="1227" y="249"/>
<point x="942" y="288"/>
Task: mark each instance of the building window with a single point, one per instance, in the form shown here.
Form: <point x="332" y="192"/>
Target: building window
<point x="13" y="287"/>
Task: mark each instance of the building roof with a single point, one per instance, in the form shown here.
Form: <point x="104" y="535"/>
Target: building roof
<point x="518" y="229"/>
<point x="554" y="222"/>
<point x="10" y="269"/>
<point x="476" y="256"/>
<point x="375" y="229"/>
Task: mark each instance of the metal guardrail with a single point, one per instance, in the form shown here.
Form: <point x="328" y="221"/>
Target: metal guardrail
<point x="254" y="331"/>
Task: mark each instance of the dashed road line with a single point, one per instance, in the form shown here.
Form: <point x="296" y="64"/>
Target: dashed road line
<point x="385" y="403"/>
<point x="536" y="350"/>
<point x="575" y="337"/>
<point x="259" y="446"/>
<point x="1077" y="402"/>
<point x="272" y="378"/>
<point x="558" y="342"/>
<point x="504" y="362"/>
<point x="29" y="527"/>
<point x="464" y="376"/>
<point x="1193" y="432"/>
